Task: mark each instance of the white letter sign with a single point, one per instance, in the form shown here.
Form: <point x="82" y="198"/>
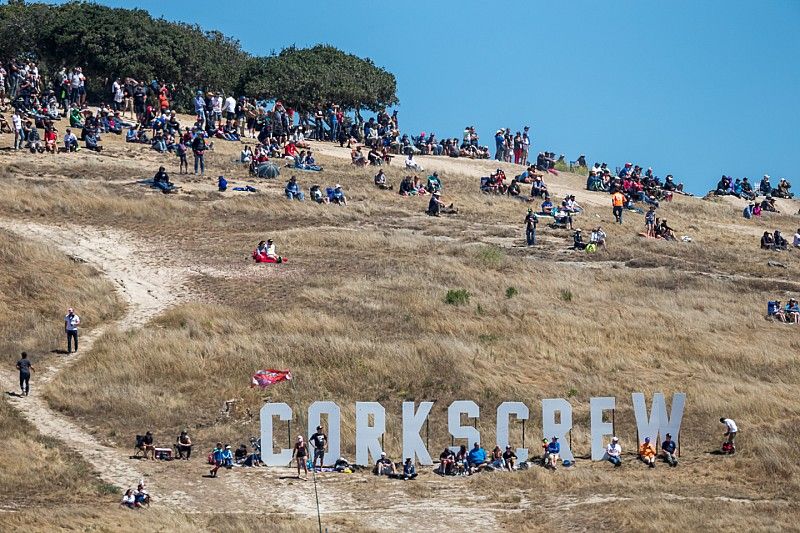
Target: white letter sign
<point x="268" y="455"/>
<point x="368" y="437"/>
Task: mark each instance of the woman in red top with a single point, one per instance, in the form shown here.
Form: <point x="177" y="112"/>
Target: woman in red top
<point x="50" y="140"/>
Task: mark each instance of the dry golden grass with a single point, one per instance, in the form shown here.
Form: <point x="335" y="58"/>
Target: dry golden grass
<point x="358" y="313"/>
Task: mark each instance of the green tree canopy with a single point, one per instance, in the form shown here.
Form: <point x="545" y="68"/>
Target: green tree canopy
<point x="110" y="42"/>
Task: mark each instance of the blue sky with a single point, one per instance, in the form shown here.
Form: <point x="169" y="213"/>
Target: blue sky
<point x="696" y="89"/>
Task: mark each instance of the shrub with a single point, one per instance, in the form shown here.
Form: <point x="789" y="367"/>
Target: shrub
<point x="490" y="255"/>
<point x="566" y="295"/>
<point x="457" y="297"/>
<point x="511" y="292"/>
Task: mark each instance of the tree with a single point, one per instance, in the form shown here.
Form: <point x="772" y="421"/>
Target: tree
<point x="311" y="77"/>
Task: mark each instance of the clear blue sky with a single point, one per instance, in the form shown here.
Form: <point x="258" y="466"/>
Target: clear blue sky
<point x="692" y="88"/>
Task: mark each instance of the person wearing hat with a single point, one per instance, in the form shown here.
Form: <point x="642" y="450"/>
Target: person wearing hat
<point x="300" y="455"/>
<point x="792" y="311"/>
<point x="775" y="310"/>
<point x="227" y="456"/>
<point x="577" y="240"/>
<point x="384" y="466"/>
<point x="409" y="470"/>
<point x="614" y="452"/>
<point x="668" y="451"/>
<point x="765" y="187"/>
<point x="647" y="453"/>
<point x="435" y="204"/>
<point x="319" y="441"/>
<point x="552" y="454"/>
<point x="71" y="323"/>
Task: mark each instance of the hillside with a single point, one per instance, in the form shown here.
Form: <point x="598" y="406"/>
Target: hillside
<point x="178" y="317"/>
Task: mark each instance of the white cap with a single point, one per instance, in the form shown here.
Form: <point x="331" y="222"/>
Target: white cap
<point x="615" y="439"/>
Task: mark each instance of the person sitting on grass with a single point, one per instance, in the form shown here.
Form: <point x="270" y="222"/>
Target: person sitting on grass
<point x="380" y="181"/>
<point x="357" y="157"/>
<point x="384" y="466"/>
<point x="647" y="453"/>
<point x="496" y="459"/>
<point x="614" y="452"/>
<point x="779" y="242"/>
<point x="337" y="196"/>
<point x="476" y="458"/>
<point x="70" y="141"/>
<point x="792" y="311"/>
<point x="577" y="240"/>
<point x="663" y="231"/>
<point x="141" y="496"/>
<point x="183" y="445"/>
<point x="552" y="454"/>
<point x="547" y="206"/>
<point x="409" y="470"/>
<point x="161" y="181"/>
<point x="775" y="311"/>
<point x="768" y="204"/>
<point x="412" y="164"/>
<point x="668" y="451"/>
<point x="767" y="242"/>
<point x="292" y="190"/>
<point x="436" y="206"/>
<point x="462" y="461"/>
<point x="129" y="500"/>
<point x="509" y="458"/>
<point x="265" y="253"/>
<point x="434" y="183"/>
<point x="447" y="460"/>
<point x="598" y="237"/>
<point x="782" y="190"/>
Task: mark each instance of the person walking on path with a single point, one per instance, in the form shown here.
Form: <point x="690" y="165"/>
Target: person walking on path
<point x="71" y="323"/>
<point x="25" y="368"/>
<point x="530" y="228"/>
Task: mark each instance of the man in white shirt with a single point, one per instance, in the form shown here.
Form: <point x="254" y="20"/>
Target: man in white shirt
<point x="230" y="110"/>
<point x="216" y="107"/>
<point x="71" y="322"/>
<point x="614" y="452"/>
<point x="118" y="94"/>
<point x="730" y="425"/>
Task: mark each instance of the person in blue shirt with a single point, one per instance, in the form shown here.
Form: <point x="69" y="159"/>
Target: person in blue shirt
<point x="337" y="196"/>
<point x="668" y="451"/>
<point x="476" y="457"/>
<point x="748" y="211"/>
<point x="293" y="191"/>
<point x="775" y="311"/>
<point x="409" y="471"/>
<point x="547" y="206"/>
<point x="553" y="451"/>
<point x="216" y="456"/>
<point x="792" y="311"/>
<point x="227" y="456"/>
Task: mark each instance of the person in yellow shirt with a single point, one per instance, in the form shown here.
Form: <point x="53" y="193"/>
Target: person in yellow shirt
<point x="617" y="201"/>
<point x="647" y="453"/>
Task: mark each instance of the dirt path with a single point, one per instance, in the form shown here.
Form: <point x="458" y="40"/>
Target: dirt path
<point x="147" y="289"/>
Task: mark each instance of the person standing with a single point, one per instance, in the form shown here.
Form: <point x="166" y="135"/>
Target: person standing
<point x="300" y="454"/>
<point x="216" y="456"/>
<point x="71" y="323"/>
<point x="731" y="429"/>
<point x="25" y="368"/>
<point x="526" y="145"/>
<point x="319" y="441"/>
<point x="617" y="201"/>
<point x="530" y="228"/>
<point x="199" y="151"/>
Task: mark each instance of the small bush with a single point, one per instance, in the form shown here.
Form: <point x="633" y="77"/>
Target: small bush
<point x="457" y="297"/>
<point x="572" y="392"/>
<point x="511" y="292"/>
<point x="566" y="295"/>
<point x="491" y="255"/>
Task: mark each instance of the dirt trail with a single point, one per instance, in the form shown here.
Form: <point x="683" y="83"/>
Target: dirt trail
<point x="147" y="289"/>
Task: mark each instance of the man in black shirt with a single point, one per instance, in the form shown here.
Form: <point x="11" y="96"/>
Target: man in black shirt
<point x="319" y="441"/>
<point x="25" y="368"/>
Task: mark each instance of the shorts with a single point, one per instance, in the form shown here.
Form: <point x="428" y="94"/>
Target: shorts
<point x="138" y="108"/>
<point x="230" y="115"/>
<point x="318" y="453"/>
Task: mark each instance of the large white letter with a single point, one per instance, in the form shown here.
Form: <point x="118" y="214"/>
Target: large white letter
<point x="600" y="428"/>
<point x="454" y="422"/>
<point x="268" y="456"/>
<point x="412" y="424"/>
<point x="503" y="410"/>
<point x="658" y="423"/>
<point x="368" y="437"/>
<point x="334" y="431"/>
<point x="560" y="430"/>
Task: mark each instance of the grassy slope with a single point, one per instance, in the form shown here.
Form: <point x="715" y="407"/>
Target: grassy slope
<point x="358" y="314"/>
